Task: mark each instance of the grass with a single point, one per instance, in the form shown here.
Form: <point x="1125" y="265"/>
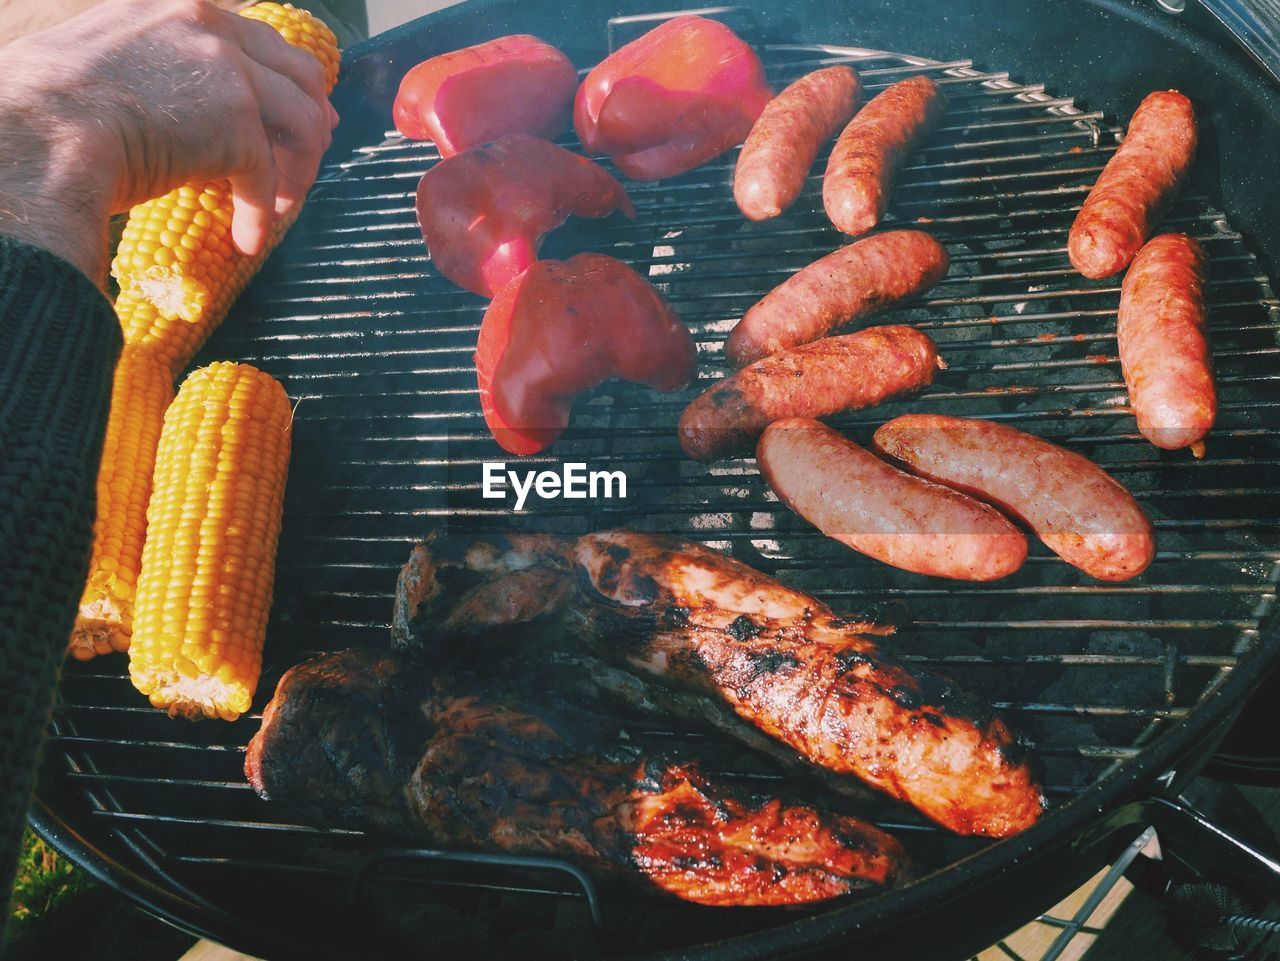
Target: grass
<point x="59" y="911"/>
<point x="46" y="881"/>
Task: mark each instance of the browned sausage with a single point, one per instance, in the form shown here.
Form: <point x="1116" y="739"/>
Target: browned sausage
<point x="816" y="380"/>
<point x="787" y="136"/>
<point x="849" y="284"/>
<point x="1136" y="185"/>
<point x="1163" y="348"/>
<point x="1083" y="514"/>
<point x="856" y="498"/>
<point x="866" y="157"/>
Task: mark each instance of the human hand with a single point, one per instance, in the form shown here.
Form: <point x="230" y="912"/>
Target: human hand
<point x="134" y="98"/>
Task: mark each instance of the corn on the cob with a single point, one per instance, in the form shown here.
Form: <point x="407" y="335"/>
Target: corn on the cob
<point x="178" y="271"/>
<point x="208" y="566"/>
<point x="140" y="392"/>
<point x="179" y="275"/>
<point x="302" y="30"/>
<point x="172" y="309"/>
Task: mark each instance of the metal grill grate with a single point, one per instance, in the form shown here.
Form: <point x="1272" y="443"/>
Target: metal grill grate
<point x="375" y="348"/>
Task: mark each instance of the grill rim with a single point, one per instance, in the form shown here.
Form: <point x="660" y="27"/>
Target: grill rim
<point x="1194" y="737"/>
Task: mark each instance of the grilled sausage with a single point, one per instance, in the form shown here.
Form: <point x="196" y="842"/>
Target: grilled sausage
<point x="816" y="380"/>
<point x="1135" y="187"/>
<point x="1163" y="349"/>
<point x="781" y="147"/>
<point x="856" y="498"/>
<point x="1078" y="510"/>
<point x="866" y="157"/>
<point x="848" y="284"/>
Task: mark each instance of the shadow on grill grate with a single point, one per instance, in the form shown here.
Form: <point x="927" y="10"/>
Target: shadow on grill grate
<point x="376" y="349"/>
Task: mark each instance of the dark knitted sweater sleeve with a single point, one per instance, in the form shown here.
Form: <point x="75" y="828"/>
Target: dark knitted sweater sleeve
<point x="59" y="339"/>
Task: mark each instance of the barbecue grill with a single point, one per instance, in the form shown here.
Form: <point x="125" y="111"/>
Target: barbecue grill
<point x="1124" y="689"/>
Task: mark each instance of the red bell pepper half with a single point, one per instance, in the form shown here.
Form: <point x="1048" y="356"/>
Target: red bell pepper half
<point x="673" y="99"/>
<point x="484" y="212"/>
<point x="561" y="328"/>
<point x="516" y="84"/>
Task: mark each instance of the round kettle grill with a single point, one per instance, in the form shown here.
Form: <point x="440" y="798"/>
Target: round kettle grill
<point x="1125" y="690"/>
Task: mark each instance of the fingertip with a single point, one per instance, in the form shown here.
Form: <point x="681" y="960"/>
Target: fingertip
<point x="250" y="225"/>
<point x="333" y="115"/>
<point x="284" y="204"/>
<point x="253" y="195"/>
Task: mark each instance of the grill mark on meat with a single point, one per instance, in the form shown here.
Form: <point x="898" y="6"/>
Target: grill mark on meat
<point x="694" y="863"/>
<point x="771" y="662"/>
<point x="904" y="697"/>
<point x="675" y="617"/>
<point x="610" y="573"/>
<point x="731" y="397"/>
<point x="743" y="628"/>
<point x="850" y="660"/>
<point x="643" y="590"/>
<point x="650" y="778"/>
<point x="605" y="686"/>
<point x="935" y="689"/>
<point x="1016" y="751"/>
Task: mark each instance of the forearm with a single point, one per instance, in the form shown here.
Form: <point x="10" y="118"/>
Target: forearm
<point x="58" y="344"/>
<point x="51" y="195"/>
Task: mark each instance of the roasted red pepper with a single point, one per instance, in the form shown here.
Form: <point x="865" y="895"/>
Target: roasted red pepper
<point x="670" y="101"/>
<point x="563" y="327"/>
<point x="516" y="84"/>
<point x="484" y="212"/>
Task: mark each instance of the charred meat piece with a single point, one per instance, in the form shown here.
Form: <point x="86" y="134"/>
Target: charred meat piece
<point x="340" y="740"/>
<point x="379" y="742"/>
<point x="690" y="618"/>
<point x="504" y="590"/>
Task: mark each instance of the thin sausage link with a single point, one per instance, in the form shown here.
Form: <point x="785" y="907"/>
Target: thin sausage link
<point x="857" y="499"/>
<point x="866" y="157"/>
<point x="1135" y="187"/>
<point x="852" y="283"/>
<point x="1164" y="350"/>
<point x="816" y="380"/>
<point x="787" y="136"/>
<point x="1085" y="516"/>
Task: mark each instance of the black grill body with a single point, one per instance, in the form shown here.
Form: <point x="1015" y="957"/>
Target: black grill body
<point x="1124" y="689"/>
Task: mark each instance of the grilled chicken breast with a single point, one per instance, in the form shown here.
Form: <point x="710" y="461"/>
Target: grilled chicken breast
<point x="697" y="621"/>
<point x="382" y="742"/>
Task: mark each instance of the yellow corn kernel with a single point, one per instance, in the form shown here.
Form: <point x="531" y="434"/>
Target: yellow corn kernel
<point x="208" y="566"/>
<point x="140" y="392"/>
<point x="302" y="30"/>
<point x="178" y="271"/>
